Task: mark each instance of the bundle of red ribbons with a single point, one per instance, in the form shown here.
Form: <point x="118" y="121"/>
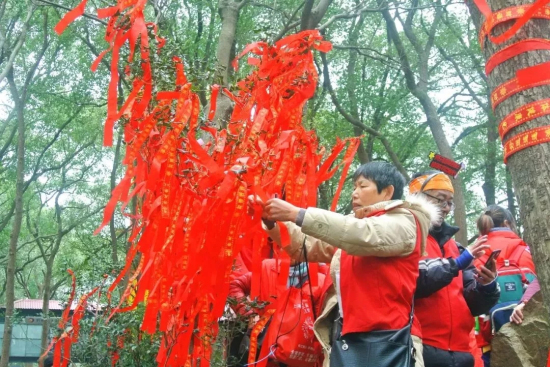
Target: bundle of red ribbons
<point x="527" y="78"/>
<point x="191" y="219"/>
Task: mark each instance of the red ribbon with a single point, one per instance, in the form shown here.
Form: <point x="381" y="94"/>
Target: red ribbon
<point x="534" y="74"/>
<point x="526" y="139"/>
<point x="515" y="49"/>
<point x="523" y="12"/>
<point x="70" y="17"/>
<point x="522" y="115"/>
<point x="483" y="8"/>
<point x="537" y="10"/>
<point x="511" y="87"/>
<point x="191" y="196"/>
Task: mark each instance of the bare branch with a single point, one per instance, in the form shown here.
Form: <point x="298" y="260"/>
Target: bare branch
<point x="85" y="15"/>
<point x="40" y="56"/>
<point x="20" y="40"/>
<point x="467" y="131"/>
<point x="50" y="143"/>
<point x="350" y="14"/>
<point x="401" y="52"/>
<point x="473" y="94"/>
<point x="270" y="7"/>
<point x="356" y="122"/>
<point x="290" y="24"/>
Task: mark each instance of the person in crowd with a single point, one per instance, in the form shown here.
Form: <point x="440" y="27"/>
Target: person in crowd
<point x="532" y="289"/>
<point x="48" y="361"/>
<point x="241" y="286"/>
<point x="514" y="264"/>
<point x="374" y="256"/>
<point x="499" y="227"/>
<point x="450" y="290"/>
<point x="517" y="314"/>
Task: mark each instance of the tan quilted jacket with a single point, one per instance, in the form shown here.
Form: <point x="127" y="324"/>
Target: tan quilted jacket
<point x="327" y="233"/>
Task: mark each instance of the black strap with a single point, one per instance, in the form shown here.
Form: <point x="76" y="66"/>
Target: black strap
<point x="309" y="279"/>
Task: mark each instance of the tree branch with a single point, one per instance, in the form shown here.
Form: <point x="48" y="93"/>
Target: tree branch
<point x="401" y="52"/>
<point x="19" y="44"/>
<point x="85" y="15"/>
<point x="467" y="131"/>
<point x="354" y="121"/>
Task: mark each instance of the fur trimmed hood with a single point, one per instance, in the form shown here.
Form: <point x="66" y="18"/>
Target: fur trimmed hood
<point x="421" y="203"/>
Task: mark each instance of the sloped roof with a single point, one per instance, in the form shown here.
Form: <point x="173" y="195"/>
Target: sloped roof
<point x="36" y="304"/>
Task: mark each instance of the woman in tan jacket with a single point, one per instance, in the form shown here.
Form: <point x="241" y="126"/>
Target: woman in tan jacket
<point x="373" y="253"/>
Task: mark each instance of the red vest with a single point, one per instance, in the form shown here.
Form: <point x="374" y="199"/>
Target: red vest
<point x="507" y="241"/>
<point x="445" y="317"/>
<point x="377" y="292"/>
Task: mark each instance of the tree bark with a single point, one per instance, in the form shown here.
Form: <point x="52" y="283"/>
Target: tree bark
<point x="17" y="219"/>
<point x="112" y="227"/>
<point x="229" y="13"/>
<point x="511" y="198"/>
<point x="529" y="168"/>
<point x="489" y="186"/>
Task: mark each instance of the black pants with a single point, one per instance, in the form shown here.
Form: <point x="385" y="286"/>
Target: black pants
<point x="434" y="357"/>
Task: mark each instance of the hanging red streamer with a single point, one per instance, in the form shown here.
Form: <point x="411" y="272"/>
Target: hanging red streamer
<point x="191" y="220"/>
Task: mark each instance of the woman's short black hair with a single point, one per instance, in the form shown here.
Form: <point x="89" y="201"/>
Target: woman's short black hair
<point x="383" y="174"/>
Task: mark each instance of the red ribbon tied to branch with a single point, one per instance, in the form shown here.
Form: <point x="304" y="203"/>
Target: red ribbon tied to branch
<point x="191" y="190"/>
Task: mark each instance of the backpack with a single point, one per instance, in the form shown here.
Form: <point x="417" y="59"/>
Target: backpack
<point x="513" y="281"/>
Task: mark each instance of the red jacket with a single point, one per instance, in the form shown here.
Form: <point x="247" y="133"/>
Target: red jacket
<point x="444" y="316"/>
<point x="240" y="287"/>
<point x="507" y="241"/>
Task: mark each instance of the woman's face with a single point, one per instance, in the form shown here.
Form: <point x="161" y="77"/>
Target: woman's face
<point x="366" y="193"/>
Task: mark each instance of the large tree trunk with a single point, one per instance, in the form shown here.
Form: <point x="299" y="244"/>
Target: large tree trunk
<point x="529" y="168"/>
<point x="444" y="147"/>
<point x="18" y="217"/>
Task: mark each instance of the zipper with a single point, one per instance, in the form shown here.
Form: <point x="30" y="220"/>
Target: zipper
<point x="442" y="250"/>
<point x="451" y="317"/>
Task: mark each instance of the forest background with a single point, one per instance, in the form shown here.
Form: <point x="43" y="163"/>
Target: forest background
<point x="408" y="76"/>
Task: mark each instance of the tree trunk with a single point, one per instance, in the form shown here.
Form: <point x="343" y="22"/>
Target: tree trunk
<point x="229" y="13"/>
<point x="18" y="217"/>
<point x="112" y="227"/>
<point x="510" y="196"/>
<point x="529" y="168"/>
<point x="46" y="304"/>
<point x="491" y="162"/>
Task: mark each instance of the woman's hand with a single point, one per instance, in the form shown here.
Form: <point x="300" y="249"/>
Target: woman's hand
<point x="279" y="210"/>
<point x="363" y="212"/>
<point x="257" y="204"/>
<point x="477" y="249"/>
<point x="517" y="315"/>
